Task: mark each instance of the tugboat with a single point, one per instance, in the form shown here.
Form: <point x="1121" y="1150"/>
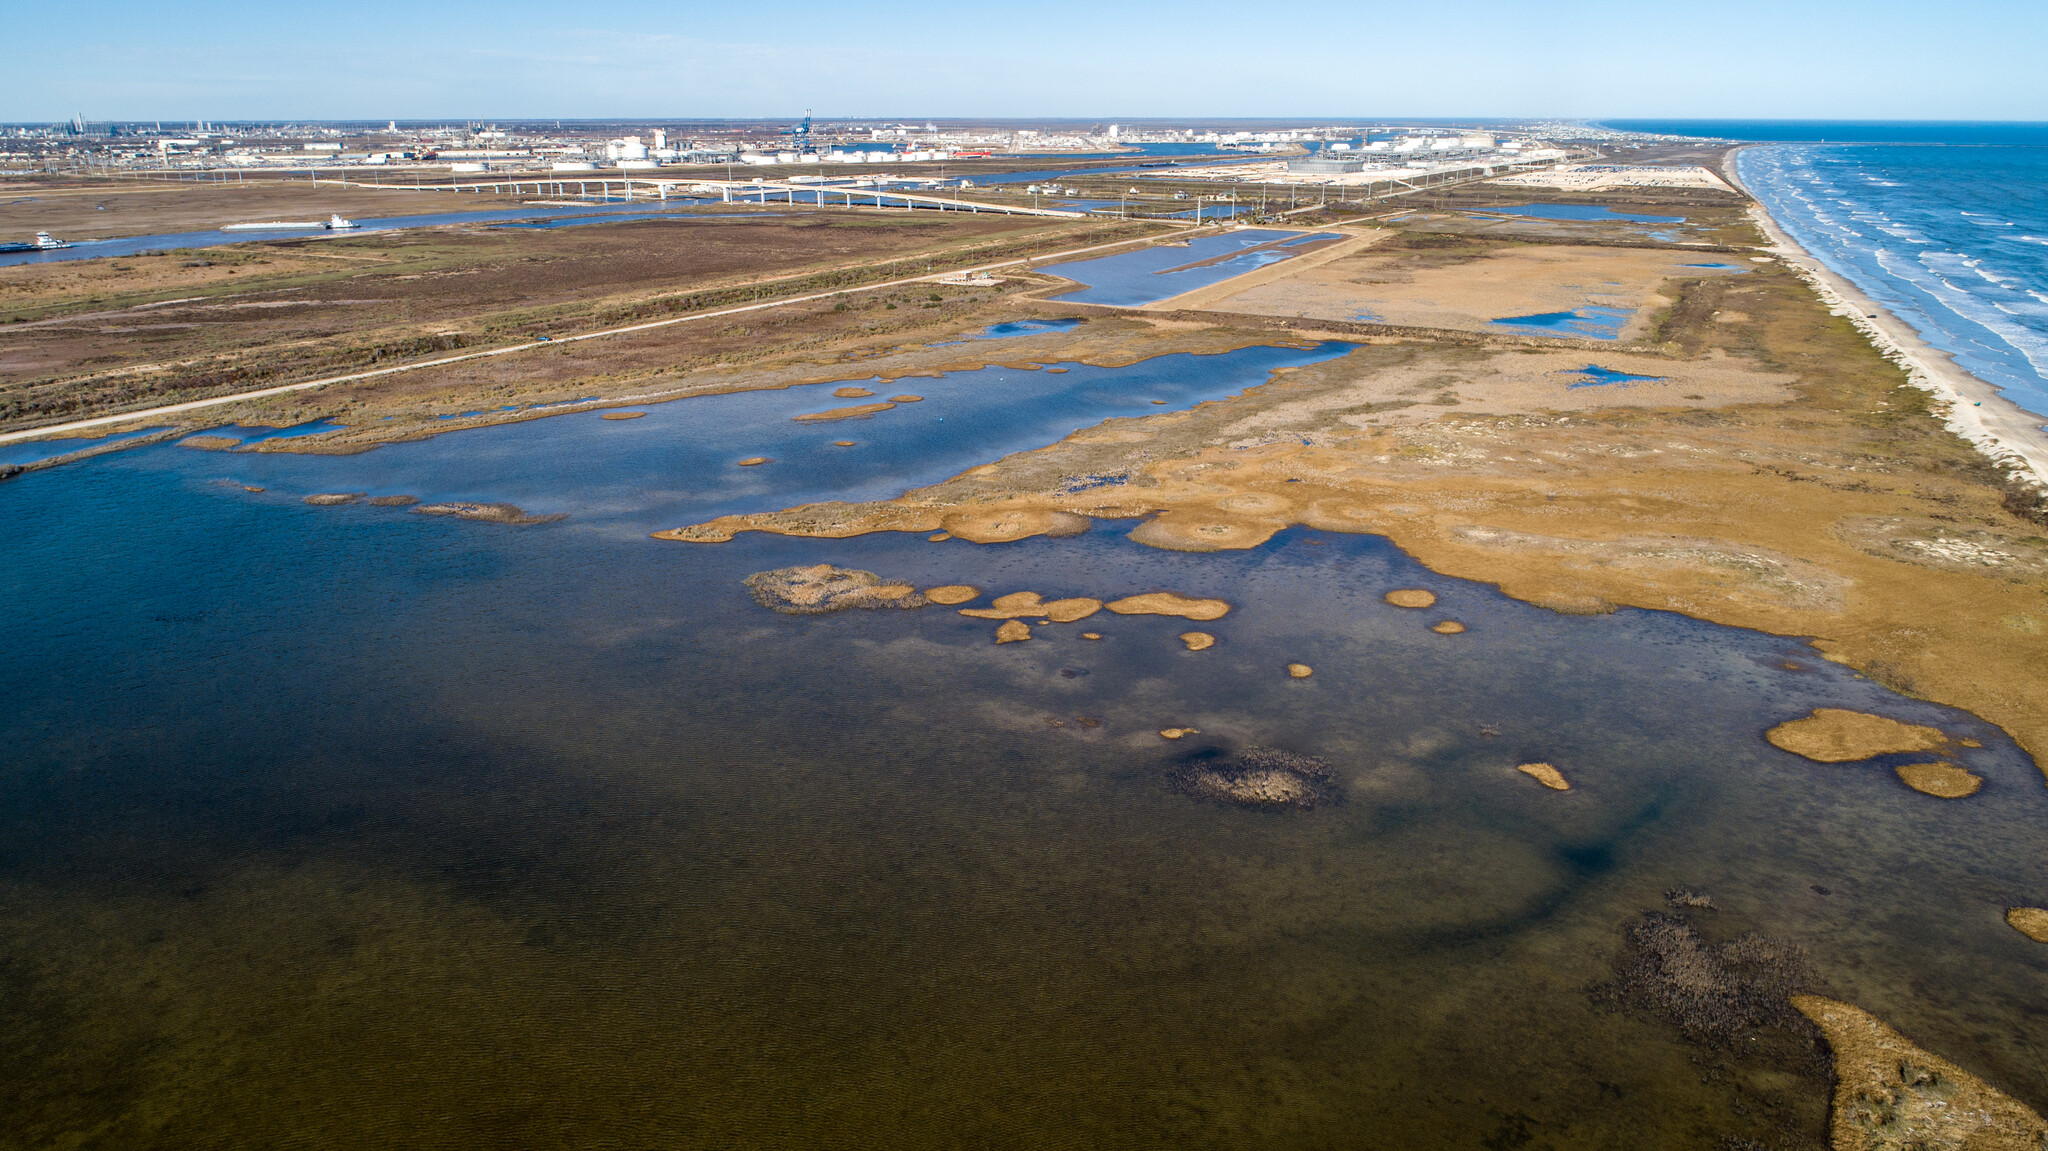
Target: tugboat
<point x="336" y="223"/>
<point x="43" y="242"/>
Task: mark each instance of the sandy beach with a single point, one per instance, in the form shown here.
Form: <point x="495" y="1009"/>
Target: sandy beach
<point x="1976" y="410"/>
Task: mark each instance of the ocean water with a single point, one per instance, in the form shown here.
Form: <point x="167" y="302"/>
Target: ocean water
<point x="1959" y="132"/>
<point x="1945" y="223"/>
<point x="1952" y="239"/>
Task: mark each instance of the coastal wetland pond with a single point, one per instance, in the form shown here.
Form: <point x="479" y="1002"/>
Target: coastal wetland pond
<point x="339" y="825"/>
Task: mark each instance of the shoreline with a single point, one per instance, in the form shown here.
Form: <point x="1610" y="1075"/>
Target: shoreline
<point x="1975" y="409"/>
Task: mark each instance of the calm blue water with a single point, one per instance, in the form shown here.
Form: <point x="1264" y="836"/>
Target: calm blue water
<point x="35" y="451"/>
<point x="1952" y="240"/>
<point x="1594" y="376"/>
<point x="1590" y="322"/>
<point x="1015" y="328"/>
<point x="133" y="245"/>
<point x="1141" y="277"/>
<point x="1012" y="329"/>
<point x="256" y="434"/>
<point x="1581" y="212"/>
<point x="677" y="464"/>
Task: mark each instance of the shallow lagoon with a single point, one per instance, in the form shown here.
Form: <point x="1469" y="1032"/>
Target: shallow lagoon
<point x="1595" y="376"/>
<point x="1154" y="273"/>
<point x="1591" y="322"/>
<point x="331" y="823"/>
<point x="1581" y="212"/>
<point x="590" y="213"/>
<point x="679" y="464"/>
<point x="36" y="451"/>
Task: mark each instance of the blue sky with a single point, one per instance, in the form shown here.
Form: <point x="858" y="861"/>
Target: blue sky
<point x="223" y="59"/>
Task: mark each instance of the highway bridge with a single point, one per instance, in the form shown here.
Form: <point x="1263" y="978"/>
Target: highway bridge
<point x="738" y="191"/>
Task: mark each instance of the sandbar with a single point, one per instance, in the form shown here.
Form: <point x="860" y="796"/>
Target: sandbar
<point x="1178" y="732"/>
<point x="1020" y="604"/>
<point x="1198" y="640"/>
<point x="1944" y="780"/>
<point x="753" y="461"/>
<point x="1232" y="530"/>
<point x="2031" y="922"/>
<point x="1091" y="635"/>
<point x="211" y="443"/>
<point x="1300" y="670"/>
<point x="1891" y="1093"/>
<point x="392" y="501"/>
<point x="842" y="443"/>
<point x="1411" y="597"/>
<point x="1013" y="631"/>
<point x="1168" y="603"/>
<point x="906" y="399"/>
<point x="1546" y="775"/>
<point x="938" y="537"/>
<point x="1832" y="735"/>
<point x="329" y="499"/>
<point x="1448" y="627"/>
<point x="994" y="527"/>
<point x="857" y="411"/>
<point x="621" y="415"/>
<point x="952" y="593"/>
<point x="851" y="393"/>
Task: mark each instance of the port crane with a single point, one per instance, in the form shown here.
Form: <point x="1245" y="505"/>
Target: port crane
<point x="800" y="134"/>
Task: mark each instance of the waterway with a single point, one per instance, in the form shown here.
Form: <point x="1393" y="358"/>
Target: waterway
<point x="678" y="464"/>
<point x="172" y="241"/>
<point x="340" y="826"/>
<point x="1162" y="270"/>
